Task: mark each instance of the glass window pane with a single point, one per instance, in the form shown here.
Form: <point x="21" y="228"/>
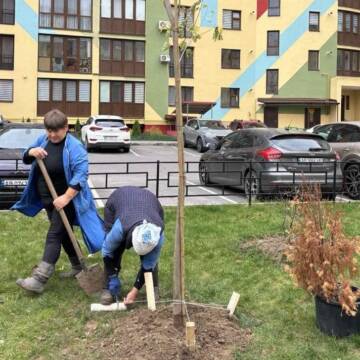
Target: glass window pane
<point x="128" y="50"/>
<point x="129" y="9"/>
<point x="105" y="91"/>
<point x="44" y="45"/>
<point x="340" y="21"/>
<point x="70" y="90"/>
<point x="105" y="49"/>
<point x="58" y="21"/>
<point x="59" y="6"/>
<point x="72" y="7"/>
<point x="139" y="93"/>
<point x="140" y="10"/>
<point x="72" y="22"/>
<point x="106" y="8"/>
<point x="117" y="9"/>
<point x="85" y="7"/>
<point x="71" y="47"/>
<point x="116" y="92"/>
<point x="43" y="90"/>
<point x="139" y="51"/>
<point x="45" y="20"/>
<point x="116" y="50"/>
<point x="227" y="19"/>
<point x="6" y="90"/>
<point x="171" y="96"/>
<point x="84" y="91"/>
<point x="45" y="6"/>
<point x="128" y="93"/>
<point x="57" y="90"/>
<point x="85" y="48"/>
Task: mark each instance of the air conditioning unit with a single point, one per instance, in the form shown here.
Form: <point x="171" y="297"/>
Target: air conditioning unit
<point x="164" y="58"/>
<point x="164" y="25"/>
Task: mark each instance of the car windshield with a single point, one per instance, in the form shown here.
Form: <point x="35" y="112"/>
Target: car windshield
<point x="19" y="138"/>
<point x="301" y="143"/>
<point x="109" y="123"/>
<point x="211" y="124"/>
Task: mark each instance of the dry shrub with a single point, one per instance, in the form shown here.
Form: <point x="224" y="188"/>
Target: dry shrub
<point x="321" y="258"/>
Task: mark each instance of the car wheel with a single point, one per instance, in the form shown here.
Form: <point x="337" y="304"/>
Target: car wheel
<point x="199" y="145"/>
<point x="126" y="150"/>
<point x="252" y="185"/>
<point x="352" y="181"/>
<point x="203" y="173"/>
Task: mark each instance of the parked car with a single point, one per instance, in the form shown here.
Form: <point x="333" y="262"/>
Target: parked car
<point x="266" y="160"/>
<point x="204" y="134"/>
<point x="246" y="124"/>
<point x="14" y="138"/>
<point x="344" y="138"/>
<point x="106" y="131"/>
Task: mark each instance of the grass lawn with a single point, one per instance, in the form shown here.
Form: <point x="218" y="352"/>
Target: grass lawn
<point x="281" y="317"/>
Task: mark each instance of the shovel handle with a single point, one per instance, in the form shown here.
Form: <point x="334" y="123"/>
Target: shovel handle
<point x="62" y="213"/>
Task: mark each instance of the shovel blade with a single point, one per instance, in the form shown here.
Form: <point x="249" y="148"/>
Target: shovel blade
<point x="92" y="279"/>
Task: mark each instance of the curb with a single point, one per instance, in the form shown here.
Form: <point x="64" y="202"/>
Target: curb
<point x="153" y="143"/>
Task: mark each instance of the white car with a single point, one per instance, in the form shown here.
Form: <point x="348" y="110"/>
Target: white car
<point x="106" y="131"/>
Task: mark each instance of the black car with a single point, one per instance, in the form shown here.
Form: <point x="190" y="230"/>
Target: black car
<point x="14" y="139"/>
<point x="264" y="160"/>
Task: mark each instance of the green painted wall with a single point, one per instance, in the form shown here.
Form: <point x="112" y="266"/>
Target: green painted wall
<point x="312" y="84"/>
<point x="156" y="73"/>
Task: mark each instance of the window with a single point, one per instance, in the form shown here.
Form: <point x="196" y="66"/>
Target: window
<point x="6" y="52"/>
<point x="70" y="96"/>
<point x="122" y="57"/>
<point x="7" y="12"/>
<point x="6" y="90"/>
<point x="64" y="54"/>
<point x="340" y="21"/>
<point x="186" y="63"/>
<point x="272" y="80"/>
<point x="347" y="22"/>
<point x="230" y="59"/>
<point x="273" y="43"/>
<point x="123" y="9"/>
<point x="313" y="60"/>
<point x="186" y="21"/>
<point x="314" y="21"/>
<point x="230" y="97"/>
<point x="66" y="14"/>
<point x="231" y="19"/>
<point x="187" y="94"/>
<point x="348" y="62"/>
<point x="274" y="8"/>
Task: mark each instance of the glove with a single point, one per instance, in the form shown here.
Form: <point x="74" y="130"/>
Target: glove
<point x="114" y="285"/>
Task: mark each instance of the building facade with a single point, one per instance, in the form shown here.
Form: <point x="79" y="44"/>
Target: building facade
<point x="285" y="63"/>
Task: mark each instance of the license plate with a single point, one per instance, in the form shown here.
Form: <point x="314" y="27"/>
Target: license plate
<point x="13" y="182"/>
<point x="311" y="160"/>
<point x="110" y="137"/>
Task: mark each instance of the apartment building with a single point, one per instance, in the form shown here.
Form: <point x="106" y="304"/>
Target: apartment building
<point x="287" y="63"/>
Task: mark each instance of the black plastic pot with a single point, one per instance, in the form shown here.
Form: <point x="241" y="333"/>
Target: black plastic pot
<point x="331" y="320"/>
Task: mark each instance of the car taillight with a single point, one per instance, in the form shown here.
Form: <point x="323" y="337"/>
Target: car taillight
<point x="95" y="128"/>
<point x="270" y="153"/>
<point x="125" y="129"/>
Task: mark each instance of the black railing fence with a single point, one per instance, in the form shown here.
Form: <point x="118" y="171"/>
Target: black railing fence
<point x="245" y="181"/>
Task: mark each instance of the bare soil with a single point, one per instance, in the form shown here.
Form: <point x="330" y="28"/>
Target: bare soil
<point x="146" y="335"/>
<point x="272" y="246"/>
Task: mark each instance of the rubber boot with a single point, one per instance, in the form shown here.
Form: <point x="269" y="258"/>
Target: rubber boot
<point x="37" y="281"/>
<point x="75" y="269"/>
<point x="106" y="298"/>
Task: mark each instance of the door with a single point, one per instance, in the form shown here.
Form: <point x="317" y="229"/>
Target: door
<point x="312" y="117"/>
<point x="343" y="104"/>
<point x="271" y="116"/>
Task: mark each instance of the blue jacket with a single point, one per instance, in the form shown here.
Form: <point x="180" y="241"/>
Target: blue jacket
<point x="76" y="172"/>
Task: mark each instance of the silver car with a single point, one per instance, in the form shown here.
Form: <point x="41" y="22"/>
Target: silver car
<point x="344" y="138"/>
<point x="204" y="134"/>
<point x="264" y="161"/>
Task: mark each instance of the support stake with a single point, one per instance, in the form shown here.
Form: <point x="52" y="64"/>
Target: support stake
<point x="150" y="295"/>
<point x="190" y="335"/>
<point x="233" y="303"/>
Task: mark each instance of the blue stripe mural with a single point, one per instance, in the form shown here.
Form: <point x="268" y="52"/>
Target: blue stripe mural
<point x="27" y="18"/>
<point x="257" y="69"/>
<point x="209" y="13"/>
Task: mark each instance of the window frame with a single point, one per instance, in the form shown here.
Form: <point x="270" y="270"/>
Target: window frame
<point x="275" y="49"/>
<point x="314" y="28"/>
<point x="7" y="12"/>
<point x="229" y="104"/>
<point x="184" y="95"/>
<point x="186" y="63"/>
<point x="233" y="19"/>
<point x="12" y="90"/>
<point x="274" y="10"/>
<point x="317" y="67"/>
<point x="232" y="60"/>
<point x="272" y="89"/>
<point x="4" y="65"/>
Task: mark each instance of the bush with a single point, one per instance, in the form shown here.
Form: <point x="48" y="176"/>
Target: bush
<point x="136" y="129"/>
<point x="321" y="258"/>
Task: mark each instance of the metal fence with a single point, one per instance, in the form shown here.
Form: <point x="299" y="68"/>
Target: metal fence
<point x="248" y="180"/>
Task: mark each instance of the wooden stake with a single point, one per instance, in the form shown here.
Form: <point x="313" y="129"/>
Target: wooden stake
<point x="190" y="335"/>
<point x="233" y="303"/>
<point x="150" y="295"/>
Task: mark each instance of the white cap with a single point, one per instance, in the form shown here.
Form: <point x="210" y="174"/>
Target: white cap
<point x="145" y="237"/>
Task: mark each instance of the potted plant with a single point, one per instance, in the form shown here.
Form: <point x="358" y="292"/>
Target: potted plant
<point x="322" y="260"/>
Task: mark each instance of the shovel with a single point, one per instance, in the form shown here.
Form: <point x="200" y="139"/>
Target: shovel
<point x="91" y="279"/>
